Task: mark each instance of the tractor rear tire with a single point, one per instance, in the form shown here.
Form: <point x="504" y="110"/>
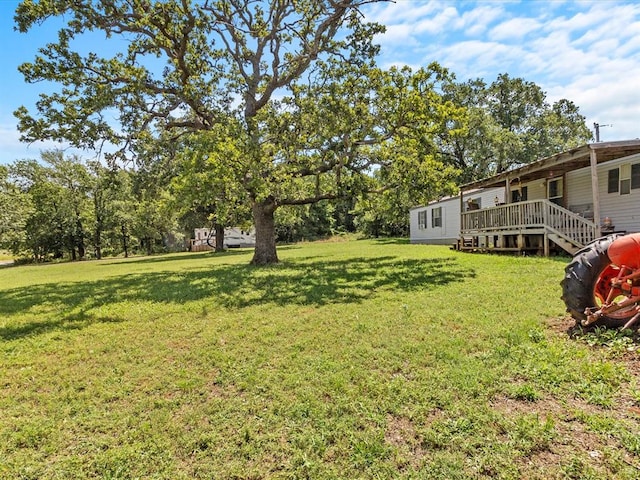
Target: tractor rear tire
<point x="582" y="283"/>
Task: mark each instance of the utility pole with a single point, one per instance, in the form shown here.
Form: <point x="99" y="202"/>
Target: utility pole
<point x="596" y="127"/>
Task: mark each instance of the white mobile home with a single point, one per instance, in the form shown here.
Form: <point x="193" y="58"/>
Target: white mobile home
<point x="561" y="202"/>
<point x="438" y="222"/>
<point x="234" y="237"/>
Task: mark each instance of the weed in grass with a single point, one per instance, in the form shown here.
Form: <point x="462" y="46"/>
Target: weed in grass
<point x="634" y="391"/>
<point x="575" y="468"/>
<point x="532" y="434"/>
<point x="524" y="392"/>
<point x="617" y="342"/>
<point x="599" y="394"/>
<point x="631" y="442"/>
<point x="536" y="335"/>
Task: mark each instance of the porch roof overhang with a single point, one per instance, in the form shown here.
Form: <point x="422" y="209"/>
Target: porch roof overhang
<point x="560" y="163"/>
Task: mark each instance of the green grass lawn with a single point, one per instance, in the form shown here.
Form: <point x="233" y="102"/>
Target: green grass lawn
<point x="355" y="359"/>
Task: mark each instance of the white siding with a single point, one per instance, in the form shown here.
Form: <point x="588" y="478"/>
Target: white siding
<point x="624" y="210"/>
<point x="578" y="191"/>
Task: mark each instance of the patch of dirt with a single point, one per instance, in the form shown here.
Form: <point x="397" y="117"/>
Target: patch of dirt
<point x="565" y="325"/>
<point x="402" y="434"/>
<point x="572" y="437"/>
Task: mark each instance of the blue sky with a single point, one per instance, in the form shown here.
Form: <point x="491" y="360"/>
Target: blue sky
<point x="585" y="51"/>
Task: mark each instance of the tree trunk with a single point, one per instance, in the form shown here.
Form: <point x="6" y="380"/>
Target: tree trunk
<point x="82" y="250"/>
<point x="219" y="237"/>
<point x="98" y="245"/>
<point x="125" y="241"/>
<point x="263" y="219"/>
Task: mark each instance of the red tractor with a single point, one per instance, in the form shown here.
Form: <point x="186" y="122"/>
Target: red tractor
<point x="601" y="285"/>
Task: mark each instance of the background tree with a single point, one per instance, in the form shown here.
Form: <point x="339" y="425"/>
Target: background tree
<point x="48" y="225"/>
<point x="507" y="123"/>
<point x="413" y="175"/>
<point x="60" y="206"/>
<point x="57" y="191"/>
<point x="15" y="209"/>
<point x="313" y="221"/>
<point x="112" y="208"/>
<point x="122" y="212"/>
<point x="74" y="182"/>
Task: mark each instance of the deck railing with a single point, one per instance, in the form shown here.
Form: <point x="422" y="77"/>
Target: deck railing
<point x="534" y="214"/>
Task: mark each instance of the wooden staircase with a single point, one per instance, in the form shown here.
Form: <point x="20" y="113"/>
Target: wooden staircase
<point x="564" y="244"/>
<point x="567" y="229"/>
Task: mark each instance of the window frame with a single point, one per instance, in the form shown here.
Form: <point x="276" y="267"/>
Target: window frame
<point x="635" y="176"/>
<point x="436" y="217"/>
<point x="613" y="180"/>
<point x="556" y="186"/>
<point x="422" y="220"/>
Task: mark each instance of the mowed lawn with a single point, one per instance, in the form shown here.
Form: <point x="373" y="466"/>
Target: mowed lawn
<point x="353" y="359"/>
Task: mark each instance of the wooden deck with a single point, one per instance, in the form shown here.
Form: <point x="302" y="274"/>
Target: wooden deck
<point x="535" y="225"/>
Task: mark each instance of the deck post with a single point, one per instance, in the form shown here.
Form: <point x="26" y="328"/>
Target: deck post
<point x="507" y="191"/>
<point x="460" y="237"/>
<point x="546" y="244"/>
<point x="595" y="191"/>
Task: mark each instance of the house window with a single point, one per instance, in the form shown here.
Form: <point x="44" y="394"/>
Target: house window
<point x="625" y="186"/>
<point x="625" y="179"/>
<point x="422" y="220"/>
<point x="555" y="191"/>
<point x="474" y="204"/>
<point x="436" y="217"/>
<point x="613" y="181"/>
<point x="519" y="195"/>
<point x="635" y="176"/>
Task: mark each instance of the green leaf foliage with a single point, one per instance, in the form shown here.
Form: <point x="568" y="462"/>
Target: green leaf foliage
<point x="507" y="123"/>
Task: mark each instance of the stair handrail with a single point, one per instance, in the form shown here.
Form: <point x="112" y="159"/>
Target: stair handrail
<point x="569" y="225"/>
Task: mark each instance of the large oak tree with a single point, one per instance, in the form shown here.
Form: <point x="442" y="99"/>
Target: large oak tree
<point x="183" y="66"/>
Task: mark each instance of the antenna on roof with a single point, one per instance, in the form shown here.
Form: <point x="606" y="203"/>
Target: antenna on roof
<point x="597" y="126"/>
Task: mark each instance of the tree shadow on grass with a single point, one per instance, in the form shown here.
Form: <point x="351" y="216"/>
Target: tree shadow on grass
<point x="75" y="321"/>
<point x="167" y="258"/>
<point x="299" y="282"/>
<point x="390" y="241"/>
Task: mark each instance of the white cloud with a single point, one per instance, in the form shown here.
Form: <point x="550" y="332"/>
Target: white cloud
<point x="444" y="20"/>
<point x="478" y="59"/>
<point x="398" y="35"/>
<point x="399" y="12"/>
<point x="587" y="52"/>
<point x="612" y="99"/>
<point x="477" y="21"/>
<point x="513" y="29"/>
